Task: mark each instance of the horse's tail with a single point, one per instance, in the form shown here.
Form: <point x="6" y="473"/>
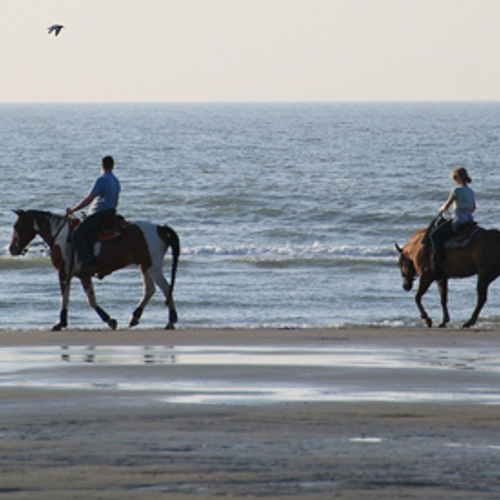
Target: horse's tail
<point x="171" y="239"/>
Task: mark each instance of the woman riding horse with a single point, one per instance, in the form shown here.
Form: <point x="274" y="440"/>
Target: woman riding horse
<point x="480" y="256"/>
<point x="463" y="199"/>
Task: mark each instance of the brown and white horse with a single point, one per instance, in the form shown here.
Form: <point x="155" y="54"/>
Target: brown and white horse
<point x="142" y="243"/>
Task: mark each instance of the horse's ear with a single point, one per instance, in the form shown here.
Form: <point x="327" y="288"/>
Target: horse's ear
<point x="399" y="249"/>
<point x="18" y="212"/>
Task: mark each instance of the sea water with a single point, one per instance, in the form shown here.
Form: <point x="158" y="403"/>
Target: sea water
<point x="287" y="213"/>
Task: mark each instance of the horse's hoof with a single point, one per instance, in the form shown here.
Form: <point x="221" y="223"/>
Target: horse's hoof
<point x="112" y="324"/>
<point x="467" y="325"/>
<point x="173" y="316"/>
<point x="442" y="325"/>
<point x="170" y="326"/>
<point x="428" y="322"/>
<point x="57" y="328"/>
<point x="136" y="317"/>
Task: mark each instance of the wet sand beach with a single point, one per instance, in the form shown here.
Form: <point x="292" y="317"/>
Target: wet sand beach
<point x="349" y="413"/>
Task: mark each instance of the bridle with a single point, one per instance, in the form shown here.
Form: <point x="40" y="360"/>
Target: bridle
<point x="40" y="221"/>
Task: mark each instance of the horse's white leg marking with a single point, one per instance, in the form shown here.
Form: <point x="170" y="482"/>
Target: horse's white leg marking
<point x="65" y="285"/>
<point x="169" y="298"/>
<point x="88" y="288"/>
<point x="148" y="289"/>
<point x="157" y="250"/>
<point x="157" y="273"/>
<point x="61" y="257"/>
<point x="160" y="280"/>
<point x="154" y="274"/>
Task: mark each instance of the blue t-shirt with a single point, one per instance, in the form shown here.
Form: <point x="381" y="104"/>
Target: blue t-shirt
<point x="464" y="206"/>
<point x="106" y="189"/>
<point x="464" y="198"/>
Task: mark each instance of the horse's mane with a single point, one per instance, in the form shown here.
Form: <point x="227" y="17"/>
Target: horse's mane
<point x="45" y="214"/>
<point x="416" y="239"/>
<point x="48" y="223"/>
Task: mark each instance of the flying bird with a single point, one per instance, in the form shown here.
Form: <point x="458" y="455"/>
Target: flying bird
<point x="56" y="29"/>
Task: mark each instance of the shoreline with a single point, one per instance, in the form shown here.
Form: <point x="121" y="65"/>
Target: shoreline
<point x="235" y="335"/>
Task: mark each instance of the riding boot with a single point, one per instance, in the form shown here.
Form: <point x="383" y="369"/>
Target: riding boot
<point x="88" y="226"/>
<point x="438" y="237"/>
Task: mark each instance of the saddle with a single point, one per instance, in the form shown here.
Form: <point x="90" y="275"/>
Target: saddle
<point x="112" y="228"/>
<point x="459" y="239"/>
<point x="463" y="237"/>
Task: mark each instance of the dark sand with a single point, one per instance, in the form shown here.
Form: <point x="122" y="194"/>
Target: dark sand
<point x="114" y="429"/>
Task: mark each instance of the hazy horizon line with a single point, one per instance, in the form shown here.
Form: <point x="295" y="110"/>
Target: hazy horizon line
<point x="242" y="102"/>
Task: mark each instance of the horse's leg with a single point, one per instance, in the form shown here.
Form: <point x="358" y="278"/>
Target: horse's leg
<point x="424" y="283"/>
<point x="443" y="294"/>
<point x="483" y="282"/>
<point x="88" y="288"/>
<point x="64" y="284"/>
<point x="148" y="291"/>
<point x="160" y="280"/>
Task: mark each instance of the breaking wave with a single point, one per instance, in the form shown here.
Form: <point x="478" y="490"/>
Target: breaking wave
<point x="316" y="253"/>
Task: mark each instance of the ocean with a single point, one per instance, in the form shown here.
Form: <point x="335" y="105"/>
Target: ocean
<point x="288" y="213"/>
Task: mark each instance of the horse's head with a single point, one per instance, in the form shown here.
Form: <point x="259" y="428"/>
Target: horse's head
<point x="408" y="271"/>
<point x="24" y="231"/>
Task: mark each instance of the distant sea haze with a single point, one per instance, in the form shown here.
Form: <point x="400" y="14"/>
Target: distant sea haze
<point x="287" y="213"/>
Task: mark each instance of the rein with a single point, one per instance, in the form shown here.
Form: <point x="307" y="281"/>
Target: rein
<point x="58" y="232"/>
<point x="53" y="237"/>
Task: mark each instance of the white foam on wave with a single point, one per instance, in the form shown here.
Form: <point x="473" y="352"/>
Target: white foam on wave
<point x="314" y="250"/>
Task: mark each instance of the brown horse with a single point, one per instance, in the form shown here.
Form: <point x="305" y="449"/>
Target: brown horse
<point x="141" y="243"/>
<point x="481" y="257"/>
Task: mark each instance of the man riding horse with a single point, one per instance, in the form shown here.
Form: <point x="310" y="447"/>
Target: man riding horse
<point x="103" y="198"/>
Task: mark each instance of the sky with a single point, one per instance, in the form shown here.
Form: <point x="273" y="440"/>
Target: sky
<point x="249" y="50"/>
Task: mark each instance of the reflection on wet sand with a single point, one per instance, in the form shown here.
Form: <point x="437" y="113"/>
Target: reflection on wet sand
<point x="150" y="355"/>
<point x="260" y="374"/>
<point x="357" y="356"/>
